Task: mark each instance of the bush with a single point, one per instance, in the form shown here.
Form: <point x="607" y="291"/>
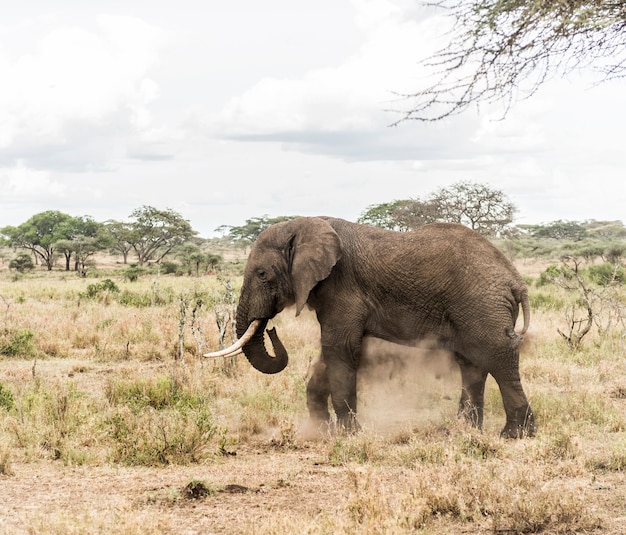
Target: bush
<point x="156" y="296"/>
<point x="100" y="289"/>
<point x="133" y="273"/>
<point x="154" y="438"/>
<point x="169" y="268"/>
<point x="18" y="344"/>
<point x="158" y="421"/>
<point x="606" y="273"/>
<point x="133" y="299"/>
<point x="548" y="276"/>
<point x="22" y="262"/>
<point x="544" y="301"/>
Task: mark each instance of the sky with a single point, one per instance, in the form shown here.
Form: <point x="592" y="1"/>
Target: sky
<point x="226" y="111"/>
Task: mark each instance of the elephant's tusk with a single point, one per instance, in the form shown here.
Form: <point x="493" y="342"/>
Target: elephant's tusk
<point x="236" y="347"/>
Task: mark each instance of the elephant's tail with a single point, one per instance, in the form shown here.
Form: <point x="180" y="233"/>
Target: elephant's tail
<point x="524" y="301"/>
<point x="521" y="298"/>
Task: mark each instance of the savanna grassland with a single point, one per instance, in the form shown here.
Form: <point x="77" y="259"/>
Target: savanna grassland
<point x="110" y="422"/>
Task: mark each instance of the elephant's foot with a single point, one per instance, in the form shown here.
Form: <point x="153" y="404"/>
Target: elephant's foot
<point x="348" y="424"/>
<point x="522" y="425"/>
<point x="317" y="427"/>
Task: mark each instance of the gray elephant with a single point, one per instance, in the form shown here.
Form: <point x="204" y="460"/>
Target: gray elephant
<point x="441" y="282"/>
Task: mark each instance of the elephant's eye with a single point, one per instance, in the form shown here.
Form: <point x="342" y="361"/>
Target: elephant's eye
<point x="262" y="274"/>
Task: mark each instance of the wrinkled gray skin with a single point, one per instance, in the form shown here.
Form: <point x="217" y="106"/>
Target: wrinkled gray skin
<point x="442" y="282"/>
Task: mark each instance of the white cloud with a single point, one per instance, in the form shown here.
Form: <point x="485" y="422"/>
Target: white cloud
<point x="74" y="79"/>
<point x="352" y="97"/>
<point x="22" y="183"/>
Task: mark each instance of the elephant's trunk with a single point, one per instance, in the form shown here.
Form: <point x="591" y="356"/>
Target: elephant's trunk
<point x="257" y="354"/>
<point x="251" y="342"/>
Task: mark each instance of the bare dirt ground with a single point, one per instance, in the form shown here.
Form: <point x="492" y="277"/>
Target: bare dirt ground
<point x="230" y="496"/>
<point x="239" y="494"/>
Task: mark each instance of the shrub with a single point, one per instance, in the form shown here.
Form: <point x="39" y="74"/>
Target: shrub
<point x="169" y="268"/>
<point x="133" y="299"/>
<point x="133" y="273"/>
<point x="154" y="297"/>
<point x="7" y="400"/>
<point x="604" y="274"/>
<point x="22" y="262"/>
<point x="549" y="275"/>
<point x="544" y="301"/>
<point x="55" y="421"/>
<point x="153" y="438"/>
<point x="18" y="344"/>
<point x="99" y="289"/>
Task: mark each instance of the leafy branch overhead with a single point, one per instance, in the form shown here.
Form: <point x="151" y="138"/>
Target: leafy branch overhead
<point x="501" y="50"/>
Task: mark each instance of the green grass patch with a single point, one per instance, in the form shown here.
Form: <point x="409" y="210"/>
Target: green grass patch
<point x="158" y="393"/>
<point x="17" y="343"/>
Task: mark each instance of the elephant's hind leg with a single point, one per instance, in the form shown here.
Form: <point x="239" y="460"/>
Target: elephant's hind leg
<point x="520" y="420"/>
<point x="472" y="403"/>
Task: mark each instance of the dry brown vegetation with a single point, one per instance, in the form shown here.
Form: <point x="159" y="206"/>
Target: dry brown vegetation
<point x="104" y="429"/>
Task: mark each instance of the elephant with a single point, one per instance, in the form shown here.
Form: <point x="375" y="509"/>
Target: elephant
<point x="441" y="282"/>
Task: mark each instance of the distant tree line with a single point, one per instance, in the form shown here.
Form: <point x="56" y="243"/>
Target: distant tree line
<point x="150" y="234"/>
<point x="247" y="234"/>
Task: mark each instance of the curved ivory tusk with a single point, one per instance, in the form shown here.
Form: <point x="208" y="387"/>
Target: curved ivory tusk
<point x="236" y="347"/>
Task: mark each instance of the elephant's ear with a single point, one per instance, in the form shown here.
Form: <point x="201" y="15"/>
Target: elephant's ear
<point x="314" y="250"/>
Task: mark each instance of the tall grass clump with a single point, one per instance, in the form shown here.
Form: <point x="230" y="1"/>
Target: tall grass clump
<point x="7" y="401"/>
<point x="6" y="466"/>
<point x="158" y="393"/>
<point x="54" y="421"/>
<point x="159" y="437"/>
<point x="157" y="422"/>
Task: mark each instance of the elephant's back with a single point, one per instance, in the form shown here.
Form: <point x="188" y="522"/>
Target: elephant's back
<point x="439" y="250"/>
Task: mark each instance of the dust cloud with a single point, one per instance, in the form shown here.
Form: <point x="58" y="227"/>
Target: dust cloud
<point x="400" y="386"/>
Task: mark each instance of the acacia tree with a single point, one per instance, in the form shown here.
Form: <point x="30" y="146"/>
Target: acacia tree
<point x="40" y="234"/>
<point x="248" y="233"/>
<point x="475" y="205"/>
<point x="83" y="238"/>
<point x="120" y="236"/>
<point x="499" y="50"/>
<point x="401" y="215"/>
<point x="560" y="230"/>
<point x="481" y="208"/>
<point x="156" y="232"/>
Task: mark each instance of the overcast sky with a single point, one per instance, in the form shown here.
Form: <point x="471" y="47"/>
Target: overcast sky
<point x="225" y="111"/>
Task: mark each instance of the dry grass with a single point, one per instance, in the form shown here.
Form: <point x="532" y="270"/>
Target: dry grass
<point x="103" y="430"/>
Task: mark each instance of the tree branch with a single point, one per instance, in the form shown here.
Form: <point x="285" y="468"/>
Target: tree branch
<point x="503" y="50"/>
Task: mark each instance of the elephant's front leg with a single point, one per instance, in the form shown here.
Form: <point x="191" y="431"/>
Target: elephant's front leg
<point x="342" y="384"/>
<point x="341" y="340"/>
<point x="317" y="394"/>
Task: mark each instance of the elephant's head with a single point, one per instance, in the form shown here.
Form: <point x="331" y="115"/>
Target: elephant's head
<point x="286" y="262"/>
